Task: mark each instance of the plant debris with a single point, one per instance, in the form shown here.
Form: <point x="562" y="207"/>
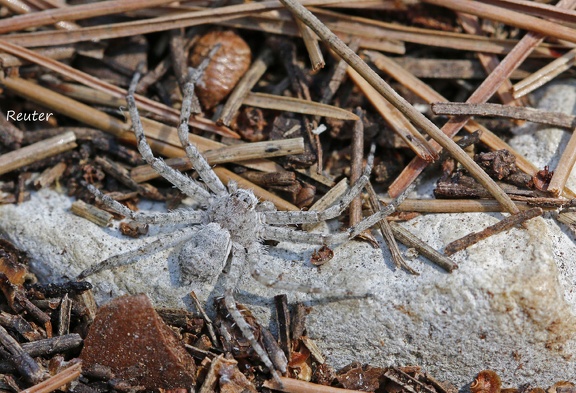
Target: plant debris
<point x="263" y="103"/>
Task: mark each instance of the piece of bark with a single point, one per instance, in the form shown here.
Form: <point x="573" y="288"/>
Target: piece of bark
<point x="129" y="337"/>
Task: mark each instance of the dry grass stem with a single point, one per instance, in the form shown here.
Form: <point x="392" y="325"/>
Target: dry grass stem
<point x="290" y="385"/>
<point x="234" y="153"/>
<point x="50" y="175"/>
<point x="448" y="68"/>
<point x="20" y="7"/>
<point x="408" y="110"/>
<point x="57" y="53"/>
<point x="390" y="5"/>
<point x="512" y="18"/>
<point x="356" y="168"/>
<point x="297" y="105"/>
<point x="56" y="381"/>
<point x="246" y="83"/>
<point x="395" y="119"/>
<point x="564" y="167"/>
<point x="311" y="42"/>
<point x="163" y="138"/>
<point x="407" y="238"/>
<point x="36" y="152"/>
<point x="157" y="132"/>
<point x="275" y="25"/>
<point x="557" y="119"/>
<point x="91" y="213"/>
<point x="472" y="205"/>
<point x="547" y="11"/>
<point x="387" y="234"/>
<point x="424" y="91"/>
<point x="146" y="26"/>
<point x="115" y="91"/>
<point x="471" y="25"/>
<point x="503" y="225"/>
<point x="481" y="94"/>
<point x="76" y="12"/>
<point x="545" y="74"/>
<point x="365" y="27"/>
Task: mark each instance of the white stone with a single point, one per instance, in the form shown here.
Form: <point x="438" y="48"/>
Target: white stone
<point x="509" y="307"/>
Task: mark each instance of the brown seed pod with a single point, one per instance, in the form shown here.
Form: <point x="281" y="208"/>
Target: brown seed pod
<point x="226" y="67"/>
<point x="487" y="381"/>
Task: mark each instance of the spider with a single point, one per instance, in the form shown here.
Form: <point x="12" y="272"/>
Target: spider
<point x="233" y="223"/>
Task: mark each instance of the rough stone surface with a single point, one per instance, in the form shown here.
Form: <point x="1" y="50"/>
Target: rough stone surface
<point x="509" y="307"/>
<point x="129" y="337"/>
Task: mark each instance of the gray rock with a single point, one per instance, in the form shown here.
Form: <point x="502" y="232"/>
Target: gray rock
<point x="508" y="307"/>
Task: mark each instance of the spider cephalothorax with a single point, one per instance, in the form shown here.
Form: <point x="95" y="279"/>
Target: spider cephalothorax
<point x="230" y="225"/>
<point x="236" y="212"/>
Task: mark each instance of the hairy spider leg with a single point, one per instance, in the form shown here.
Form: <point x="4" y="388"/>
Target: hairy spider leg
<point x="238" y="262"/>
<point x="270" y="232"/>
<point x="183" y="182"/>
<point x="179" y="216"/>
<point x="198" y="161"/>
<point x="161" y="242"/>
<point x="312" y="216"/>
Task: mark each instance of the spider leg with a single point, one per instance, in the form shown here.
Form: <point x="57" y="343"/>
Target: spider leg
<point x="279" y="233"/>
<point x="276" y="282"/>
<point x="160" y="243"/>
<point x="198" y="161"/>
<point x="310" y="217"/>
<point x="184" y="183"/>
<point x="173" y="217"/>
<point x="238" y="261"/>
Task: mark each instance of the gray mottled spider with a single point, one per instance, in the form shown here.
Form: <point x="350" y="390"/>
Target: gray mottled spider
<point x="232" y="219"/>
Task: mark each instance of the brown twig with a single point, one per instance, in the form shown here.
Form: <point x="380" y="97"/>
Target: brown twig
<point x="115" y="91"/>
<point x="501" y="226"/>
<point x="37" y="151"/>
<point x="564" y="167"/>
<point x="50" y="175"/>
<point x="25" y="364"/>
<point x="545" y="74"/>
<point x="512" y="18"/>
<point x="297" y="105"/>
<point x="356" y="167"/>
<point x="408" y="110"/>
<point x="430" y="95"/>
<point x="547" y="11"/>
<point x="311" y="43"/>
<point x="388" y="235"/>
<point x="234" y="153"/>
<point x="57" y="381"/>
<point x="77" y="12"/>
<point x="471" y="25"/>
<point x="156" y="132"/>
<point x="394" y="117"/>
<point x="407" y="238"/>
<point x="206" y="318"/>
<point x="557" y="119"/>
<point x="474" y="205"/>
<point x="250" y="78"/>
<point x="91" y="213"/>
<point x="481" y="94"/>
<point x="283" y="318"/>
<point x="290" y="385"/>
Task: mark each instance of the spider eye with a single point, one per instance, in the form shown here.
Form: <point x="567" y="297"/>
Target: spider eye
<point x="247" y="198"/>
